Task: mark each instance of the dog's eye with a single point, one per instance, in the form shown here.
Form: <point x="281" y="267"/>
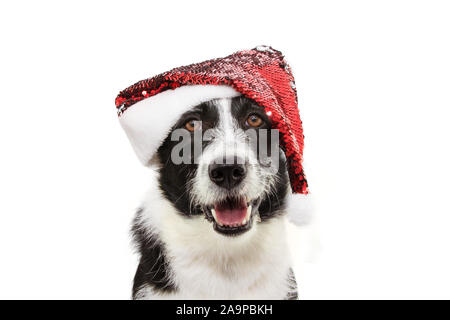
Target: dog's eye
<point x="254" y="121"/>
<point x="192" y="125"/>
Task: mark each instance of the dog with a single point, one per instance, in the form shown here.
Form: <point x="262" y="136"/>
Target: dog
<point x="214" y="228"/>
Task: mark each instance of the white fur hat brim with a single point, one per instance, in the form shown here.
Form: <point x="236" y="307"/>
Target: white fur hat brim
<point x="148" y="122"/>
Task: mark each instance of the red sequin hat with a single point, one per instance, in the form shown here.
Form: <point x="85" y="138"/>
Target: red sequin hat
<point x="260" y="74"/>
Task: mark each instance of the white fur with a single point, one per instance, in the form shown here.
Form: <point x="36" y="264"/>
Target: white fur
<point x="148" y="122"/>
<point x="300" y="209"/>
<point x="208" y="265"/>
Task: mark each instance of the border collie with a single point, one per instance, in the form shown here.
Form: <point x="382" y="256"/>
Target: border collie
<point x="214" y="227"/>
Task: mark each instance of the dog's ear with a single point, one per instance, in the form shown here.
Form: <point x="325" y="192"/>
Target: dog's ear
<point x="300" y="208"/>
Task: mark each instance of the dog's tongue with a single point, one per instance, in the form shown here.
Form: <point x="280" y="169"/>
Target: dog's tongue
<point x="231" y="212"/>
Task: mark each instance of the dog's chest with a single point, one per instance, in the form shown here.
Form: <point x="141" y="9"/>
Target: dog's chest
<point x="229" y="280"/>
<point x="205" y="265"/>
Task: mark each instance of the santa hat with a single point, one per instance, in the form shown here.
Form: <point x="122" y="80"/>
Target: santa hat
<point x="260" y="74"/>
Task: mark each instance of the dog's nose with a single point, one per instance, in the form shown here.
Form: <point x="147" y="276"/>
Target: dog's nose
<point x="227" y="176"/>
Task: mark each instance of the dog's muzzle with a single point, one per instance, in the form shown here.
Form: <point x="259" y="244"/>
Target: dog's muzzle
<point x="235" y="214"/>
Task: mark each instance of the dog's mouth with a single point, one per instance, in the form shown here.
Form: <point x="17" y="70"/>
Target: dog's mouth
<point x="233" y="216"/>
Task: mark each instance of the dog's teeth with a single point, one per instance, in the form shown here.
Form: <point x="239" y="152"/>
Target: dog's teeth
<point x="247" y="216"/>
<point x="234" y="225"/>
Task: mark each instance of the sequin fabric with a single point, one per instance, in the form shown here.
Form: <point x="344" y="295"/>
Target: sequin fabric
<point x="261" y="74"/>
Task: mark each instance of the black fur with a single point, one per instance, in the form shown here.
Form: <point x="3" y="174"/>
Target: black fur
<point x="293" y="293"/>
<point x="153" y="269"/>
<point x="175" y="177"/>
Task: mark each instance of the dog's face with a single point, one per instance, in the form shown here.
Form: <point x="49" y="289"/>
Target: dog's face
<point x="227" y="173"/>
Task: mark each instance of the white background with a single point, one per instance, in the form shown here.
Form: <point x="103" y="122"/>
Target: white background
<point x="374" y="82"/>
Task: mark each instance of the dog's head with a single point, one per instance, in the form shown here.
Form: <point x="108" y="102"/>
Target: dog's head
<point x="222" y="160"/>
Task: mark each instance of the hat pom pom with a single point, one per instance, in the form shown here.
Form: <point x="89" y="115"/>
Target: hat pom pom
<point x="300" y="209"/>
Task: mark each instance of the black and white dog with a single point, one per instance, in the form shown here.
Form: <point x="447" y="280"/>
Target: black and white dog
<point x="215" y="228"/>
